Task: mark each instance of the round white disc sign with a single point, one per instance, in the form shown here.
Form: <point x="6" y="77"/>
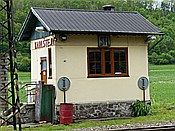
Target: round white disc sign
<point x="143" y="83"/>
<point x="63" y="83"/>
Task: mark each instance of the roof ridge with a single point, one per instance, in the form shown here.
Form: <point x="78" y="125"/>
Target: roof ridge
<point x="83" y="10"/>
<point x="64" y="9"/>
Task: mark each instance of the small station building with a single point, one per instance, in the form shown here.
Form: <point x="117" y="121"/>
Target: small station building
<point x="102" y="52"/>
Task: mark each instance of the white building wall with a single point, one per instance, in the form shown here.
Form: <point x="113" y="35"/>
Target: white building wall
<point x="36" y="55"/>
<point x="70" y="59"/>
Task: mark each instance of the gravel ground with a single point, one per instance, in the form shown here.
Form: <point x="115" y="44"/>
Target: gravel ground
<point x="127" y="126"/>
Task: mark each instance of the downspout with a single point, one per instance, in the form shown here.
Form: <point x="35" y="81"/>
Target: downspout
<point x="162" y="36"/>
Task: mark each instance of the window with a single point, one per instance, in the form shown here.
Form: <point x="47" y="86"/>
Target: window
<point x="50" y="63"/>
<point x="107" y="62"/>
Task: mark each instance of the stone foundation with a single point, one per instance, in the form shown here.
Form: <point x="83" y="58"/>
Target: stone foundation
<point x="28" y="113"/>
<point x="100" y="110"/>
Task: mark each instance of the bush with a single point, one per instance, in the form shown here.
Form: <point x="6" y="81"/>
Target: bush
<point x="153" y="58"/>
<point x="139" y="108"/>
<point x="164" y="58"/>
<point x="172" y="53"/>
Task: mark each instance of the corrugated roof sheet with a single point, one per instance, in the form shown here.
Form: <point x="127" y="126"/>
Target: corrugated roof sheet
<point x="82" y="21"/>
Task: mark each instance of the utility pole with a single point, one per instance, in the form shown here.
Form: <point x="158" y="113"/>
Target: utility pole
<point x="8" y="37"/>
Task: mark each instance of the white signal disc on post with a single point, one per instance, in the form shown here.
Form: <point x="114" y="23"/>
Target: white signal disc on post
<point x="64" y="83"/>
<point x="143" y="83"/>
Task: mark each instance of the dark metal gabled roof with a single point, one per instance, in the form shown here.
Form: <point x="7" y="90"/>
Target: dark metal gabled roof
<point x="82" y="21"/>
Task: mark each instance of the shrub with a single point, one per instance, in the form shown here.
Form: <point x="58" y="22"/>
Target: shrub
<point x="153" y="58"/>
<point x="139" y="108"/>
<point x="163" y="58"/>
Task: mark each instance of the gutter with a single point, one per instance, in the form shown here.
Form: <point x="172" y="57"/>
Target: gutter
<point x="162" y="36"/>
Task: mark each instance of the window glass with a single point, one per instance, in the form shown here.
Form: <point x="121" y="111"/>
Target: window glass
<point x="95" y="61"/>
<point x="119" y="61"/>
<point x="122" y="55"/>
<point x="43" y="65"/>
<point x="116" y="55"/>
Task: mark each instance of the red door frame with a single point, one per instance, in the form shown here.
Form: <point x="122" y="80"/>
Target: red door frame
<point x="43" y="73"/>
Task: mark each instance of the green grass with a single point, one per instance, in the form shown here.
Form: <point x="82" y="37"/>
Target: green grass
<point x="162" y="84"/>
<point x="24" y="77"/>
<point x="162" y="87"/>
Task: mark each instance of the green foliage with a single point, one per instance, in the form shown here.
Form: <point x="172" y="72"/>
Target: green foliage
<point x="163" y="58"/>
<point x="24" y="64"/>
<point x="139" y="108"/>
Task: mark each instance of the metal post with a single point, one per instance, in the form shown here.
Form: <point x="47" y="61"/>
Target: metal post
<point x="64" y="96"/>
<point x="144" y="96"/>
<point x="8" y="26"/>
<point x="64" y="90"/>
<point x="10" y="38"/>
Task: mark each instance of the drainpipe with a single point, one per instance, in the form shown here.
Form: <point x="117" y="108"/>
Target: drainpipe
<point x="162" y="36"/>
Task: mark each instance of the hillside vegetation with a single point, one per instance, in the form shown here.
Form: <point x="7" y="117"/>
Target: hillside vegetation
<point x="162" y="14"/>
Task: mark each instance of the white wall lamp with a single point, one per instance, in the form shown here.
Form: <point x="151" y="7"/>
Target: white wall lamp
<point x="63" y="37"/>
<point x="55" y="39"/>
<point x="40" y="29"/>
<point x="150" y="48"/>
<point x="150" y="39"/>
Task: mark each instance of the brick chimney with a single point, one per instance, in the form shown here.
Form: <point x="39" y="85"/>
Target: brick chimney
<point x="108" y="8"/>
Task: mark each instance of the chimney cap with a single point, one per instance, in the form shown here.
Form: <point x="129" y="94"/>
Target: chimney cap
<point x="108" y="7"/>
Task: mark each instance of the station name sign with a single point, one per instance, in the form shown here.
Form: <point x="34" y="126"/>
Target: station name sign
<point x="44" y="43"/>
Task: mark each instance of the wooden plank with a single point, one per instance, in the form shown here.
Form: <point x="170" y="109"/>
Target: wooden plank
<point x="1" y="70"/>
<point x="3" y="81"/>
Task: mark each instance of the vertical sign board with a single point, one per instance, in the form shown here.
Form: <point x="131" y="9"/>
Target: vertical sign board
<point x="143" y="85"/>
<point x="64" y="85"/>
<point x="38" y="102"/>
<point x="66" y="109"/>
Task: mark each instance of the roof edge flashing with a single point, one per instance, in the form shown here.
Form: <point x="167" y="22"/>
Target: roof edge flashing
<point x="23" y="27"/>
<point x="38" y="17"/>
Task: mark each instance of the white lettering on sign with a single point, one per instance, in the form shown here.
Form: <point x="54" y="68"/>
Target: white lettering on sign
<point x="44" y="43"/>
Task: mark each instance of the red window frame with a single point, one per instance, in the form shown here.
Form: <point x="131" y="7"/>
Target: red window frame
<point x="111" y="61"/>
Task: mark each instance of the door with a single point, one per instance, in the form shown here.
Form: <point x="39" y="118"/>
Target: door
<point x="44" y="70"/>
<point x="45" y="103"/>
